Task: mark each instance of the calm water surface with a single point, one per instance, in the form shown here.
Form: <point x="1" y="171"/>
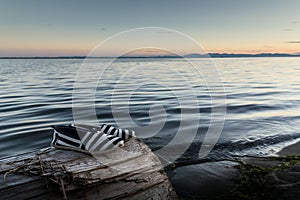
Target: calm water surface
<point x="262" y="98"/>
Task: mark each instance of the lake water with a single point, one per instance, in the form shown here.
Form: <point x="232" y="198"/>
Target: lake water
<point x="262" y="99"/>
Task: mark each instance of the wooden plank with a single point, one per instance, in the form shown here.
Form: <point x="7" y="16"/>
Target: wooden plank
<point x="125" y="188"/>
<point x="132" y="170"/>
<point x="129" y="167"/>
<point x="22" y="186"/>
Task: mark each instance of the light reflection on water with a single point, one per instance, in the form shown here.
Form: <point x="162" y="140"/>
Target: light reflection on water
<point x="263" y="96"/>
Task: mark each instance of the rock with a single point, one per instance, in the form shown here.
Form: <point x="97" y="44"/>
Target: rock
<point x="206" y="180"/>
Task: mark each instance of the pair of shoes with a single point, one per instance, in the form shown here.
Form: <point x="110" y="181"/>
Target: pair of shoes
<point x="89" y="139"/>
<point x="124" y="134"/>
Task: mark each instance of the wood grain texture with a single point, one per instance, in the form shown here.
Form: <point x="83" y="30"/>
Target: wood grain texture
<point x="131" y="172"/>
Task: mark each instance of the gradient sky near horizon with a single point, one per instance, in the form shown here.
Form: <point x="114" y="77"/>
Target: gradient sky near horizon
<point x="68" y="28"/>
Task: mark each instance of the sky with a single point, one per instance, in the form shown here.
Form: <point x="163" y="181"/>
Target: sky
<point x="74" y="28"/>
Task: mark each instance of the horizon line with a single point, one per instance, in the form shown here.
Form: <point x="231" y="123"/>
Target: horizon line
<point x="190" y="55"/>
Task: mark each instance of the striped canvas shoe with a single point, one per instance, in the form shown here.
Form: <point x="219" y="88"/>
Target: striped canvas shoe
<point x="124" y="134"/>
<point x="84" y="140"/>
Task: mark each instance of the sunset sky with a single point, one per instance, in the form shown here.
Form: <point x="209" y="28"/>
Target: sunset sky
<point x="73" y="28"/>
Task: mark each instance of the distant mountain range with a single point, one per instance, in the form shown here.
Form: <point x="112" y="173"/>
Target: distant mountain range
<point x="232" y="55"/>
<point x="192" y="55"/>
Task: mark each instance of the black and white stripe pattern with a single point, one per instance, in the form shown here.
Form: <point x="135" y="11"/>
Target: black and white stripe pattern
<point x="84" y="139"/>
<point x="124" y="134"/>
<point x="64" y="136"/>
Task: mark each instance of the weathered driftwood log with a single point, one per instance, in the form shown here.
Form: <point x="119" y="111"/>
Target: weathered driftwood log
<point x="132" y="172"/>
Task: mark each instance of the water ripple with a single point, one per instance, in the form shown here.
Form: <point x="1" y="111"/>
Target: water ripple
<point x="262" y="98"/>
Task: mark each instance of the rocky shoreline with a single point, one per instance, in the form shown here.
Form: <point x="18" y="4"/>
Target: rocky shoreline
<point x="276" y="177"/>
